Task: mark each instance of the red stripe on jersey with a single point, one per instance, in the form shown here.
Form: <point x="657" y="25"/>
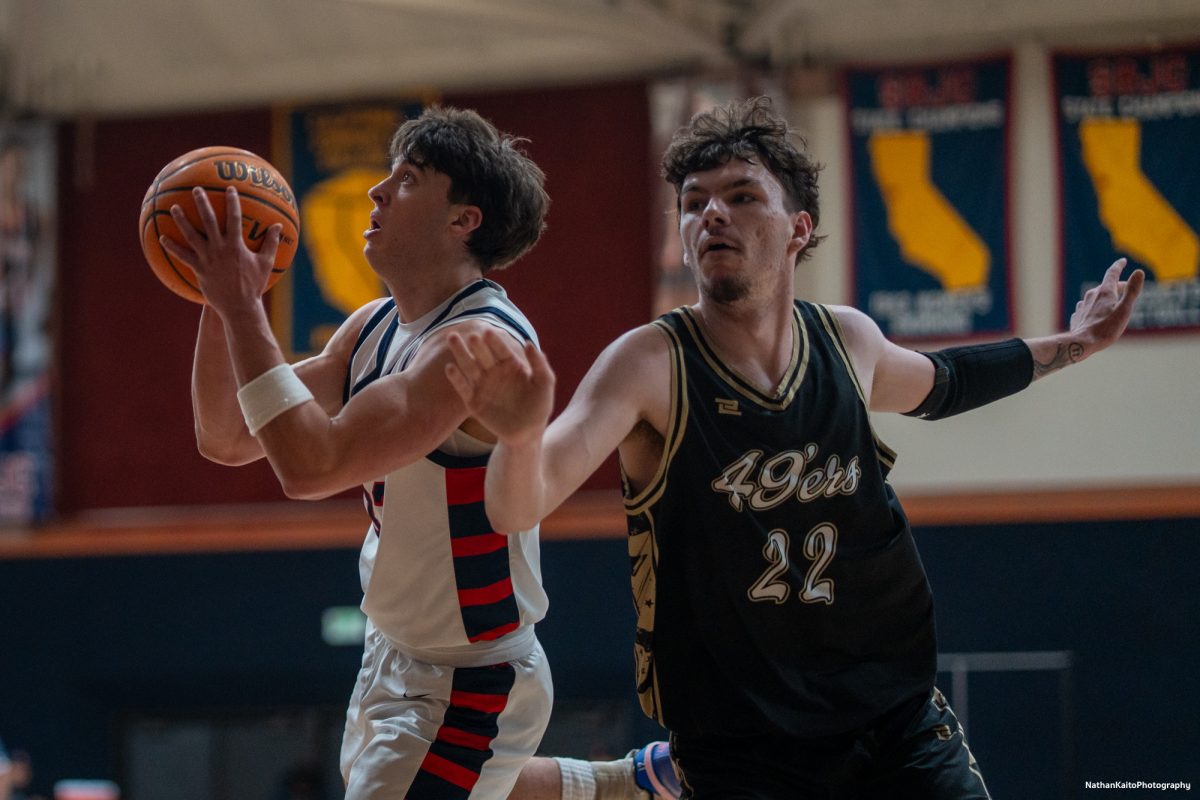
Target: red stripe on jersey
<point x="464" y="738"/>
<point x="449" y="771"/>
<point x="485" y="595"/>
<point x="491" y="703"/>
<point x="465" y="485"/>
<point x="494" y="633"/>
<point x="477" y="545"/>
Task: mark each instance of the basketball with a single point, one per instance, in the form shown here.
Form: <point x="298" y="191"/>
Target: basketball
<point x="265" y="196"/>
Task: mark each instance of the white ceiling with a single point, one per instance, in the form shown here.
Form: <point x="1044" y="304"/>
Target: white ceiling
<point x="64" y="57"/>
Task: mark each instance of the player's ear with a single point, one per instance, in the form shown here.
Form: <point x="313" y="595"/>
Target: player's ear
<point x="802" y="229"/>
<point x="465" y="218"/>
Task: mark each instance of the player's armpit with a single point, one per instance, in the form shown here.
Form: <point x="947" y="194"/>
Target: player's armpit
<point x="893" y="378"/>
<point x="325" y="373"/>
<point x="627" y="388"/>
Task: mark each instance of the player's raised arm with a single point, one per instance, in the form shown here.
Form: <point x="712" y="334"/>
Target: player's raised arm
<point x="946" y="382"/>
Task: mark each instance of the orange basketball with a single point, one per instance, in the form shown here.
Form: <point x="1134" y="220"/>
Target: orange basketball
<point x="265" y="196"/>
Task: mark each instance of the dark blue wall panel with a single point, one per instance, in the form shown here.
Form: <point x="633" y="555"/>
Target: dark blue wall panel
<point x="88" y="640"/>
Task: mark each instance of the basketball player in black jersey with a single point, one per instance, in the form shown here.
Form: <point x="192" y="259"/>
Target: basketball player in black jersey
<point x="785" y="624"/>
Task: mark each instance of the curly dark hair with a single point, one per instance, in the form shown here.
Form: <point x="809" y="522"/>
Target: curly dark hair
<point x="752" y="131"/>
<point x="487" y="169"/>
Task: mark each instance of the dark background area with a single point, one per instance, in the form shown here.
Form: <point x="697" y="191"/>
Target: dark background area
<point x="95" y="646"/>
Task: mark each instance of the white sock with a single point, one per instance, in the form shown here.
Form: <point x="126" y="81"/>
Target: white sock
<point x="578" y="779"/>
<point x="615" y="780"/>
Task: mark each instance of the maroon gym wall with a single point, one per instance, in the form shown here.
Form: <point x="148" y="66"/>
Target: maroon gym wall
<point x="125" y="343"/>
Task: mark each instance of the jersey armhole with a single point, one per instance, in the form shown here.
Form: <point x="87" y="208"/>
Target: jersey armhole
<point x="887" y="456"/>
<point x="676" y="423"/>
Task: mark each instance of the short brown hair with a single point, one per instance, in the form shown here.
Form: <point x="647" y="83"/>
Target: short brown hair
<point x="752" y="131"/>
<point x="487" y="169"/>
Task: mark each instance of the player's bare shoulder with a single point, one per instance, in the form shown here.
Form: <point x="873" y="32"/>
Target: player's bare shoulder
<point x="341" y="344"/>
<point x="637" y="360"/>
<point x="864" y="339"/>
<point x="857" y="327"/>
<point x="637" y="366"/>
<point x="635" y="372"/>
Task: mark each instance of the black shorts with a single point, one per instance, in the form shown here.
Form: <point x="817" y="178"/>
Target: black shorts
<point x="915" y="752"/>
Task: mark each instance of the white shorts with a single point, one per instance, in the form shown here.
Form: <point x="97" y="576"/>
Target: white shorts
<point x="429" y="732"/>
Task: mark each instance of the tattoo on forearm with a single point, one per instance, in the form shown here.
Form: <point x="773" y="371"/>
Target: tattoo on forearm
<point x="1063" y="355"/>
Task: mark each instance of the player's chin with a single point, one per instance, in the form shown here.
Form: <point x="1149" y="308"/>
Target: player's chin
<point x="726" y="289"/>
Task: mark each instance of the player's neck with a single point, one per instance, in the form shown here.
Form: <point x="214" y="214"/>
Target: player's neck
<point x="754" y="339"/>
<point x="418" y="293"/>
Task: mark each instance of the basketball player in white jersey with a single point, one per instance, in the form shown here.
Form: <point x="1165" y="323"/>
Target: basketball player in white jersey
<point x="454" y="692"/>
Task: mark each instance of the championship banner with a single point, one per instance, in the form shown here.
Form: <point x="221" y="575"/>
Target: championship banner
<point x="929" y="161"/>
<point x="332" y="156"/>
<point x="27" y="274"/>
<point x="1128" y="127"/>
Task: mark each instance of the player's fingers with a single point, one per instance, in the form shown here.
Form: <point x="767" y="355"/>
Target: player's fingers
<point x="270" y="245"/>
<point x="233" y="212"/>
<point x="194" y="238"/>
<point x="499" y="345"/>
<point x="178" y="251"/>
<point x="208" y="217"/>
<point x="461" y="348"/>
<point x="487" y="352"/>
<point x="458" y="348"/>
<point x="464" y="387"/>
<point x="1113" y="274"/>
<point x="1133" y="288"/>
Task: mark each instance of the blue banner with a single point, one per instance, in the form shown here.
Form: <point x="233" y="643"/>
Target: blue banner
<point x="27" y="274"/>
<point x="1128" y="126"/>
<point x="332" y="155"/>
<point x="929" y="160"/>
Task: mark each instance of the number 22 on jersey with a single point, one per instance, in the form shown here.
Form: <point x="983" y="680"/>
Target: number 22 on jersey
<point x="819" y="547"/>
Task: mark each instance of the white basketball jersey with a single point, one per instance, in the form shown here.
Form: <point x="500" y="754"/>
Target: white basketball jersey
<point x="437" y="580"/>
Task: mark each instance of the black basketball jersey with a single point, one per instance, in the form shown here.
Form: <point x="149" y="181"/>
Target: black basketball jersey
<point x="777" y="584"/>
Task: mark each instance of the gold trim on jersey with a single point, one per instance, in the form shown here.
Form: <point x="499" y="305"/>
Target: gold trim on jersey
<point x="643" y="539"/>
<point x="676" y="422"/>
<point x="886" y="455"/>
<point x="643" y="559"/>
<point x="793" y="376"/>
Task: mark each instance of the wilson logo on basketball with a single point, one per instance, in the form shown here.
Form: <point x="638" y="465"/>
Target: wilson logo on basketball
<point x="258" y="230"/>
<point x="263" y="194"/>
<point x="241" y="171"/>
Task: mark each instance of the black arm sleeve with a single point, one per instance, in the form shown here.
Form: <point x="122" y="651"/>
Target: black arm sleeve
<point x="975" y="375"/>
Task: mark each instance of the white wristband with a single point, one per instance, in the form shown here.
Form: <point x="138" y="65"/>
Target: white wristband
<point x="270" y="394"/>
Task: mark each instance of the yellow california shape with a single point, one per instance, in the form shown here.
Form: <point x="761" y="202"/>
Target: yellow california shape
<point x="1140" y="220"/>
<point x="931" y="233"/>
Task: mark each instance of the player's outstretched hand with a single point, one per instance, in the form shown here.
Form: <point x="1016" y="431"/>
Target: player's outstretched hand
<point x="227" y="270"/>
<point x="509" y="391"/>
<point x="1101" y="316"/>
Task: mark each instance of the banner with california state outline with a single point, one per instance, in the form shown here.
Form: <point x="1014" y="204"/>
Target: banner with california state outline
<point x="332" y="155"/>
<point x="929" y="162"/>
<point x="1128" y="128"/>
<point x="28" y="273"/>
